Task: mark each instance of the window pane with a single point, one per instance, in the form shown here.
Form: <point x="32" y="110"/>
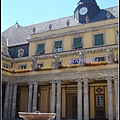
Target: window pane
<point x="40" y="48"/>
<point x="99" y="59"/>
<point x="40" y="65"/>
<point x="117" y="36"/>
<point x="99" y="100"/>
<point x="98" y="40"/>
<point x="58" y="44"/>
<point x="77" y="42"/>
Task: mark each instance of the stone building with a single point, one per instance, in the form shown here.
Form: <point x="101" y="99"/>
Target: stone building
<point x="67" y="66"/>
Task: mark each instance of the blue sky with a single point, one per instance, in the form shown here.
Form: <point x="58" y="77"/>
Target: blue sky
<point x="28" y="12"/>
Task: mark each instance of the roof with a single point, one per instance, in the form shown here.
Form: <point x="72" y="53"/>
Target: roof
<point x="17" y="34"/>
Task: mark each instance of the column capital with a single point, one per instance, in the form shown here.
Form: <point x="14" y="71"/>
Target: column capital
<point x="34" y="82"/>
<point x="53" y="81"/>
<point x="30" y="83"/>
<point x="85" y="80"/>
<point x="58" y="81"/>
<point x="78" y="80"/>
<point x="115" y="78"/>
<point x="108" y="78"/>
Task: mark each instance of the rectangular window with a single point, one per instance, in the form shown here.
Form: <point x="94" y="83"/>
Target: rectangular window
<point x="77" y="43"/>
<point x="99" y="100"/>
<point x="22" y="67"/>
<point x="6" y="66"/>
<point x="99" y="59"/>
<point x="40" y="49"/>
<point x="39" y="65"/>
<point x="58" y="46"/>
<point x="117" y="36"/>
<point x="98" y="40"/>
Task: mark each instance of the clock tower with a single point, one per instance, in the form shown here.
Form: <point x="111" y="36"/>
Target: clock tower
<point x="86" y="9"/>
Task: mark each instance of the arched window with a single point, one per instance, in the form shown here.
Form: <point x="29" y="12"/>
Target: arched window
<point x="20" y="52"/>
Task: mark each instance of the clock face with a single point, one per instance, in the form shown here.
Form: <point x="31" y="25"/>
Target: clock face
<point x="83" y="11"/>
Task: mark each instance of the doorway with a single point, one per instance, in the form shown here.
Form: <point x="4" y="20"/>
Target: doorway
<point x="71" y="105"/>
<point x="99" y="107"/>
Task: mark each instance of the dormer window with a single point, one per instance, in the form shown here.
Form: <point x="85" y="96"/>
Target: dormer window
<point x="77" y="43"/>
<point x="40" y="49"/>
<point x="58" y="46"/>
<point x="20" y="53"/>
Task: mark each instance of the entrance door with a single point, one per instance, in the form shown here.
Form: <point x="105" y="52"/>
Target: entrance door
<point x="71" y="103"/>
<point x="99" y="107"/>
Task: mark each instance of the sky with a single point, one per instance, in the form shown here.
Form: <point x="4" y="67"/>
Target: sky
<point x="28" y="12"/>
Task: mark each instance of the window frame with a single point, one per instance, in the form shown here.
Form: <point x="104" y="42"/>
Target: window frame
<point x="54" y="50"/>
<point x="8" y="66"/>
<point x="116" y="41"/>
<point x="22" y="65"/>
<point x="101" y="56"/>
<point x="19" y="52"/>
<point x="93" y="41"/>
<point x="40" y="63"/>
<point x="75" y="37"/>
<point x="97" y="101"/>
<point x="37" y="48"/>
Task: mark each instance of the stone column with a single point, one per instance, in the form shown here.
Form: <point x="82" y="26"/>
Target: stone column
<point x="35" y="96"/>
<point x="110" y="101"/>
<point x="53" y="98"/>
<point x="5" y="114"/>
<point x="79" y="100"/>
<point x="30" y="97"/>
<point x="10" y="101"/>
<point x="86" y="103"/>
<point x="14" y="100"/>
<point x="116" y="96"/>
<point x="58" y="111"/>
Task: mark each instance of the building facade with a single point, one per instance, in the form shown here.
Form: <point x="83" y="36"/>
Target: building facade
<point x="67" y="66"/>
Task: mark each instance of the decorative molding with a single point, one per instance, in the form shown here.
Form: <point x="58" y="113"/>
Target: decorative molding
<point x="72" y="32"/>
<point x="68" y="75"/>
<point x="62" y="54"/>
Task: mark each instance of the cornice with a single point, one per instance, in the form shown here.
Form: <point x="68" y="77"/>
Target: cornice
<point x="8" y="59"/>
<point x="62" y="54"/>
<point x="73" y="32"/>
<point x="68" y="75"/>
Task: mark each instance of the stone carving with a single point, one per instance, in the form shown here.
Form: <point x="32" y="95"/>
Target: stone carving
<point x="111" y="55"/>
<point x="87" y="19"/>
<point x="34" y="63"/>
<point x="68" y="23"/>
<point x="108" y="15"/>
<point x="56" y="62"/>
<point x="50" y="26"/>
<point x="82" y="57"/>
<point x="34" y="29"/>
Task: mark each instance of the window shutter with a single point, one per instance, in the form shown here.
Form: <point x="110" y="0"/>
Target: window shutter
<point x="98" y="40"/>
<point x="77" y="42"/>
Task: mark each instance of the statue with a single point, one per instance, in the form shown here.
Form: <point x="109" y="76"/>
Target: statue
<point x="82" y="59"/>
<point x="56" y="62"/>
<point x="111" y="55"/>
<point x="34" y="63"/>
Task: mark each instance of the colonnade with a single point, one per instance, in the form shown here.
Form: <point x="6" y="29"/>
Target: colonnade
<point x="11" y="95"/>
